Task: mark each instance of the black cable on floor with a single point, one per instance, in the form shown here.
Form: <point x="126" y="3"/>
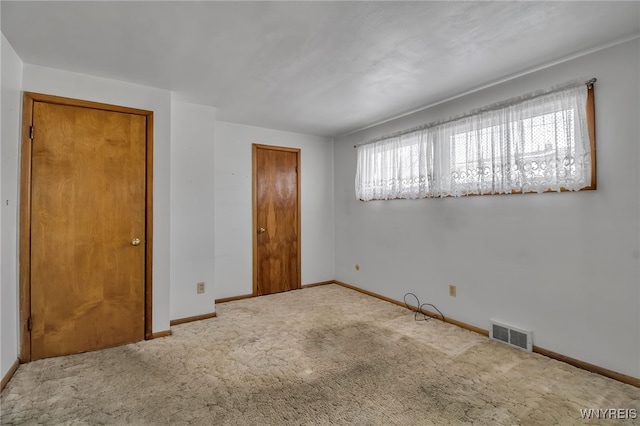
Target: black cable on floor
<point x="418" y="309"/>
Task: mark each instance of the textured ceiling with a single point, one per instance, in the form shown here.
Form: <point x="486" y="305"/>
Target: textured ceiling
<point x="321" y="68"/>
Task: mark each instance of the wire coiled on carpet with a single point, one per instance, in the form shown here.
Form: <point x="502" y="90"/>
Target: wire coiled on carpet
<point x="418" y="309"/>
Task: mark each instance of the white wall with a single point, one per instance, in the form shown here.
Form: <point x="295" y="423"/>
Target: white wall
<point x="563" y="265"/>
<point x="9" y="149"/>
<point x="192" y="208"/>
<point x="233" y="213"/>
<point x="81" y="86"/>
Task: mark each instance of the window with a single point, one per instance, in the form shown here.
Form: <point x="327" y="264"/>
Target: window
<point x="543" y="143"/>
<point x="396" y="168"/>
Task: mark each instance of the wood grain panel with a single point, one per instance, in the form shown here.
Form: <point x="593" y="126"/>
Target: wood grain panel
<point x="7" y="377"/>
<point x="277" y="213"/>
<point x="317" y="284"/>
<point x="87" y="204"/>
<point x="148" y="278"/>
<point x="160" y="334"/>
<point x="234" y="298"/>
<point x="25" y="228"/>
<point x="591" y="124"/>
<point x="186" y="320"/>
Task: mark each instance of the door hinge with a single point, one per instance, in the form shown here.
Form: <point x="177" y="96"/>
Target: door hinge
<point x="29" y="323"/>
<point x="31" y="132"/>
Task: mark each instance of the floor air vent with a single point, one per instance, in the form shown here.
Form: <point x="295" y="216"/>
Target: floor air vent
<point x="511" y="336"/>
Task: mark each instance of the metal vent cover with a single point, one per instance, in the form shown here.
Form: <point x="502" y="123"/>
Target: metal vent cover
<point x="500" y="333"/>
<point x="518" y="339"/>
<point x="513" y="336"/>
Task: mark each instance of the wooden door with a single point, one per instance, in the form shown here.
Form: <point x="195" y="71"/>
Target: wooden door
<point x="87" y="229"/>
<point x="276" y="219"/>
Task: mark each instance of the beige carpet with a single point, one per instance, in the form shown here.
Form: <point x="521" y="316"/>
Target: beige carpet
<point x="318" y="356"/>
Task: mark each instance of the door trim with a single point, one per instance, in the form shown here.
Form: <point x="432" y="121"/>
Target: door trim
<point x="29" y="98"/>
<point x="254" y="228"/>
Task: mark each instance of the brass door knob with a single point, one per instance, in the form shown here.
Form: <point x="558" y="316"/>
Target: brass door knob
<point x="135" y="242"/>
<point x="261" y="231"/>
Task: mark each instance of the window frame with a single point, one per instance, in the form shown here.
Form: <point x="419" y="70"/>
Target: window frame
<point x="591" y="128"/>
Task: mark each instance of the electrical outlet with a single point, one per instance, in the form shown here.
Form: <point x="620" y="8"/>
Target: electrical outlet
<point x="452" y="290"/>
<point x="200" y="288"/>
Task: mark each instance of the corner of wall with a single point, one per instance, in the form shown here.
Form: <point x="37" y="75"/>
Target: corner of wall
<point x="11" y="76"/>
<point x="192" y="248"/>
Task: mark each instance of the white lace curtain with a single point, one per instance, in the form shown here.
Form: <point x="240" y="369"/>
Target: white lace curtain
<point x="533" y="145"/>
